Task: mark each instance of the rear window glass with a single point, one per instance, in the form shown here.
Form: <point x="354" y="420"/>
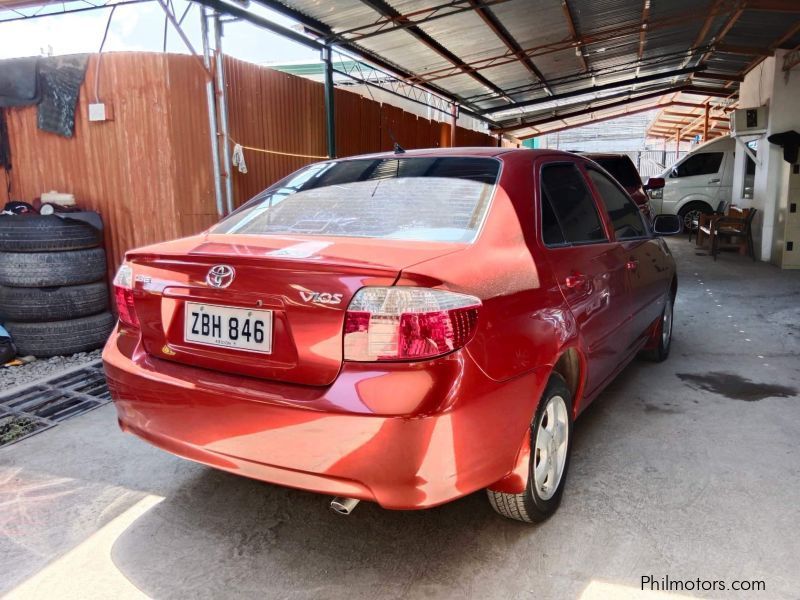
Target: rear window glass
<point x="621" y="169"/>
<point x="427" y="199"/>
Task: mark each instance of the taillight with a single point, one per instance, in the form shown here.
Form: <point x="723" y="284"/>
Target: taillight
<point x="123" y="293"/>
<point x="407" y="323"/>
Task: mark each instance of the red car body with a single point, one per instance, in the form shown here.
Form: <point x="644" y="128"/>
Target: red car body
<point x="405" y="434"/>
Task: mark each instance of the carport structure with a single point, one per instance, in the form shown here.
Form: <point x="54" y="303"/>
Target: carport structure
<point x="532" y="67"/>
<point x="529" y="68"/>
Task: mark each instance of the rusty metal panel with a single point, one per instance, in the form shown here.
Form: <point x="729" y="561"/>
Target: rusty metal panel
<point x="147" y="171"/>
<point x="275" y="111"/>
<point x="187" y="119"/>
<point x="391" y="123"/>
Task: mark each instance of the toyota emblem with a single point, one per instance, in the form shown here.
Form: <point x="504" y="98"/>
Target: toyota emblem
<point x="220" y="276"/>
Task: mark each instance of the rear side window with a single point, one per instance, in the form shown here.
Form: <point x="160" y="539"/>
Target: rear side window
<point x="551" y="230"/>
<point x="706" y="163"/>
<point x="624" y="214"/>
<point x="622" y="169"/>
<point x="426" y="199"/>
<point x="564" y="188"/>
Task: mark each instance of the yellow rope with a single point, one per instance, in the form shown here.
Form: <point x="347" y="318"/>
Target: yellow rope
<point x="274" y="151"/>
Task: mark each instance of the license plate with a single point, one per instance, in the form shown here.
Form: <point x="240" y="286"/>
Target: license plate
<point x="228" y="327"/>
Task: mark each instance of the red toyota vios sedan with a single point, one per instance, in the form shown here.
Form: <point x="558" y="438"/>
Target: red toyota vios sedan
<point x="402" y="328"/>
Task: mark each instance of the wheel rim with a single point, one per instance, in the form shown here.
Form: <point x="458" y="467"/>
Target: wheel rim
<point x="666" y="324"/>
<point x="689" y="218"/>
<point x="550" y="447"/>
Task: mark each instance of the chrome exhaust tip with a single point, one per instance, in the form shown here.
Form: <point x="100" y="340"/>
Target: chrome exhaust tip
<point x="344" y="506"/>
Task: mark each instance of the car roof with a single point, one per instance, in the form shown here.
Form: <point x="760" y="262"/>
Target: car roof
<point x="725" y="142"/>
<point x="465" y="151"/>
<point x="595" y="155"/>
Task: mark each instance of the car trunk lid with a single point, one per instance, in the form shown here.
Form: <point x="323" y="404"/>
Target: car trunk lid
<point x="305" y="284"/>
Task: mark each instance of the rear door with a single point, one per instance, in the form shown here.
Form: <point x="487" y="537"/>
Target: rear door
<point x="589" y="267"/>
<point x="643" y="265"/>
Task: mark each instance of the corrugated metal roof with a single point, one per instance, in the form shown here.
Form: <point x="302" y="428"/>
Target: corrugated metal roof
<point x="491" y="54"/>
<point x="577" y="45"/>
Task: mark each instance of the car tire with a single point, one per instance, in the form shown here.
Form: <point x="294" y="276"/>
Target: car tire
<point x="36" y="233"/>
<point x="32" y="305"/>
<point x="52" y="269"/>
<point x="663" y="333"/>
<point x="54" y="338"/>
<point x="688" y="212"/>
<point x="536" y="504"/>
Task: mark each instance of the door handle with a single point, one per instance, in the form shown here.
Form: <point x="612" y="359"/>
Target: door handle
<point x="575" y="280"/>
<point x="632" y="265"/>
<point x="713" y="181"/>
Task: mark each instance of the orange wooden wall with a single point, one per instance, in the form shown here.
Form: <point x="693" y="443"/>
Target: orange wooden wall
<point x="148" y="171"/>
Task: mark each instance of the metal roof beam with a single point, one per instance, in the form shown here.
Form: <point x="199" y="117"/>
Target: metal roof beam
<point x="789" y="6"/>
<point x="711" y="92"/>
<point x="585" y="111"/>
<point x="574" y="34"/>
<point x="675" y="113"/>
<point x="425" y="15"/>
<point x="718" y="76"/>
<point x="509" y="41"/>
<point x="597" y="88"/>
<point x="246" y="15"/>
<point x="743" y="50"/>
<point x="621" y="68"/>
<point x="729" y="23"/>
<point x="327" y="34"/>
<point x="643" y="28"/>
<point x="63" y="10"/>
<point x="625" y="31"/>
<point x="596" y="120"/>
<point x="790" y="33"/>
<point x="384" y="9"/>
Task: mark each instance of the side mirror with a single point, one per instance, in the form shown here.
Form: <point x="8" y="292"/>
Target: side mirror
<point x="655" y="183"/>
<point x="667" y="225"/>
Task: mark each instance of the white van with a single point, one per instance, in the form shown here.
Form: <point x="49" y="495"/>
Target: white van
<point x="697" y="182"/>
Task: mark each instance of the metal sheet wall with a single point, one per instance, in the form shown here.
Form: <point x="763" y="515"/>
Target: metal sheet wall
<point x="148" y="171"/>
<point x="277" y="111"/>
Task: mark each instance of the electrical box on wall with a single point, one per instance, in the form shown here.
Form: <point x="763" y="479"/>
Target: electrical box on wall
<point x="790" y="250"/>
<point x="101" y="111"/>
<point x="749" y="121"/>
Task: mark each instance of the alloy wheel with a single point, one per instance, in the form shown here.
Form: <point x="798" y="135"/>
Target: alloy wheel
<point x="666" y="324"/>
<point x="690" y="219"/>
<point x="550" y="447"/>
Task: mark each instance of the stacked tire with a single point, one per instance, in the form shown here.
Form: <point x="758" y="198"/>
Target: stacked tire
<point x="53" y="295"/>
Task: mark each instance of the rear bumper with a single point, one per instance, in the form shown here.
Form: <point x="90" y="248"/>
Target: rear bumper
<point x="404" y="437"/>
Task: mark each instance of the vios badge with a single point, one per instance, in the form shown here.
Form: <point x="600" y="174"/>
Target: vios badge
<point x="321" y="297"/>
<point x="220" y="276"/>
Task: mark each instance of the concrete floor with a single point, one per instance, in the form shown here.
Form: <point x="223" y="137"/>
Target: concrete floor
<point x="684" y="469"/>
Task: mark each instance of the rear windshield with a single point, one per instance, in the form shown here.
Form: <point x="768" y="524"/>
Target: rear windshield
<point x="427" y="199"/>
<point x="621" y="169"/>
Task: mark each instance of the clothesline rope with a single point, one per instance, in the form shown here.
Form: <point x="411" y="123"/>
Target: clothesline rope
<point x="264" y="150"/>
